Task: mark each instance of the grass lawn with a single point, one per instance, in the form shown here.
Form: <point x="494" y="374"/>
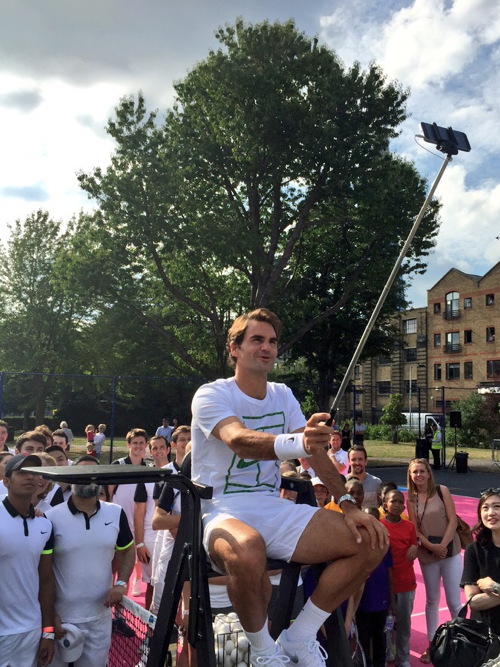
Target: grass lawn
<point x="79" y="447"/>
<point x="377" y="449"/>
<point x="380" y="449"/>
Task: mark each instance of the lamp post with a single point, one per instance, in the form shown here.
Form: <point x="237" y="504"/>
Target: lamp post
<point x="409" y="399"/>
<point x="442" y="389"/>
<point x="443" y="429"/>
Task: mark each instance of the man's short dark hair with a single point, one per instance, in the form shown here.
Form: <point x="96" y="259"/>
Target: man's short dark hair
<point x="178" y="431"/>
<point x="161" y="437"/>
<point x="61" y="433"/>
<point x="56" y="448"/>
<point x="85" y="457"/>
<point x="158" y="437"/>
<point x="136" y="433"/>
<point x="358" y="448"/>
<point x="236" y="333"/>
<point x="37" y="436"/>
<point x="43" y="428"/>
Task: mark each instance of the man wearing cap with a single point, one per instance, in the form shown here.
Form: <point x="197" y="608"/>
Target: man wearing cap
<point x="94" y="537"/>
<point x="320" y="492"/>
<point x="27" y="584"/>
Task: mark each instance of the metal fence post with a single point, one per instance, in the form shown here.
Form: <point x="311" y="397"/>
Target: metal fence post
<point x="113" y="416"/>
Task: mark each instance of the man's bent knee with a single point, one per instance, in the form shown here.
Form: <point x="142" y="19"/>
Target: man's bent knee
<point x="371" y="557"/>
<point x="237" y="550"/>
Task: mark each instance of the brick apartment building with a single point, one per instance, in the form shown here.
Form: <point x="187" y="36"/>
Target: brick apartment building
<point x="448" y="348"/>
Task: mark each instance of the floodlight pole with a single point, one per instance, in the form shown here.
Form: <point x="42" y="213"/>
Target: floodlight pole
<point x="385" y="291"/>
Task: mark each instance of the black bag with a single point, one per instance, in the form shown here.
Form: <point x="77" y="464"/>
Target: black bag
<point x="463" y="642"/>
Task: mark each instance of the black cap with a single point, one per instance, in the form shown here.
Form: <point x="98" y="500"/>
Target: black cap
<point x="21" y="461"/>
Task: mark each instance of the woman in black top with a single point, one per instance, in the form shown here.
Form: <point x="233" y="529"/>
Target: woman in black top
<point x="481" y="575"/>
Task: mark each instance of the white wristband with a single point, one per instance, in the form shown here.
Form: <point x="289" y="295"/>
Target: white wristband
<point x="290" y="446"/>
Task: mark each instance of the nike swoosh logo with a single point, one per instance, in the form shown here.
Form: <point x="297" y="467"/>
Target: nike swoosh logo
<point x="106" y="523"/>
<point x="245" y="464"/>
<point x="44" y="532"/>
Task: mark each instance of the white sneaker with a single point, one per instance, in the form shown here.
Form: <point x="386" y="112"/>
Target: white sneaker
<point x="306" y="654"/>
<point x="136" y="588"/>
<point x="277" y="659"/>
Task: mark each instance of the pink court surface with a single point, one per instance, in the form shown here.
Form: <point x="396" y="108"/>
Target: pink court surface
<point x="467" y="509"/>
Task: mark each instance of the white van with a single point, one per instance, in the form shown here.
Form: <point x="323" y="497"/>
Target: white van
<point x="412" y="420"/>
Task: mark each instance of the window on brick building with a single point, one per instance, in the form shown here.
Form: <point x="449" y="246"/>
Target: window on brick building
<point x="410" y="354"/>
<point x="384" y="387"/>
<point x="452" y="307"/>
<point x="437" y="371"/>
<point x="468" y="336"/>
<point x="490" y="334"/>
<point x="468" y="374"/>
<point x="437" y="340"/>
<point x="453" y="371"/>
<point x="467" y="302"/>
<point x="490" y="299"/>
<point x="437" y="308"/>
<point x="410" y="326"/>
<point x="413" y="387"/>
<point x="452" y="341"/>
<point x="493" y="369"/>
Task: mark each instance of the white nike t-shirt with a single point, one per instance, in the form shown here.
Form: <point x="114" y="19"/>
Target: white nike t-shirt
<point x="213" y="462"/>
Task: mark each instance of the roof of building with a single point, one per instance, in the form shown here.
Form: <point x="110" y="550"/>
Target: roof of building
<point x="471" y="276"/>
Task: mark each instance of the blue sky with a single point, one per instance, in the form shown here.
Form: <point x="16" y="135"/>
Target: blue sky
<point x="66" y="64"/>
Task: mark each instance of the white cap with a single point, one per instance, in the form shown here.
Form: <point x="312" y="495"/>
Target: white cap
<point x="316" y="480"/>
<point x="70" y="647"/>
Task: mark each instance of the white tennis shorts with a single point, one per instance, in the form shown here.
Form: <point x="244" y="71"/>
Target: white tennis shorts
<point x="279" y="521"/>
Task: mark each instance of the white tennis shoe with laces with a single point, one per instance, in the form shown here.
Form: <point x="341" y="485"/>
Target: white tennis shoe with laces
<point x="276" y="659"/>
<point x="306" y="654"/>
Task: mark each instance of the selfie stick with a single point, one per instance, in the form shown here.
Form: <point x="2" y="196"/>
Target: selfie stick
<point x="385" y="292"/>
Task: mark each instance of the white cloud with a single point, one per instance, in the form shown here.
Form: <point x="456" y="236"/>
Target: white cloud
<point x="44" y="148"/>
<point x="65" y="66"/>
<point x="470" y="222"/>
<point x="449" y="54"/>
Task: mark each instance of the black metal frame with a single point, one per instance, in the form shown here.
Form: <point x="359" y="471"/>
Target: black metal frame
<point x="189" y="563"/>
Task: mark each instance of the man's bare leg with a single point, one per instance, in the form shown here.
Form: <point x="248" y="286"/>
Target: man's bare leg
<point x="240" y="552"/>
<point x="352" y="564"/>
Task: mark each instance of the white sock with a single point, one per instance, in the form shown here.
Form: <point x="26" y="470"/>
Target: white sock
<point x="261" y="642"/>
<point x="307" y="623"/>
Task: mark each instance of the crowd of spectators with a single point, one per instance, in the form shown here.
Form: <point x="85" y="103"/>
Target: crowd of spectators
<point x="129" y="530"/>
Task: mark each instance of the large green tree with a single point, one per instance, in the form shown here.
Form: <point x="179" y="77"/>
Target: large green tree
<point x="393" y="414"/>
<point x="480" y="420"/>
<point x="269" y="183"/>
<point x="39" y="327"/>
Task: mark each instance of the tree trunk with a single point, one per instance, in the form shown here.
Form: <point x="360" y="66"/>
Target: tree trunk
<point x="40" y="399"/>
